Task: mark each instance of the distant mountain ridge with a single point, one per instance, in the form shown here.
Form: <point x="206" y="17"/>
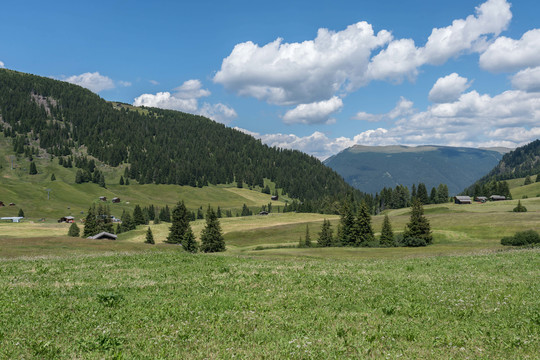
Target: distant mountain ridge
<point x="371" y="168"/>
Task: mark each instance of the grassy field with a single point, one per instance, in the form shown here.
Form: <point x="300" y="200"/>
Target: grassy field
<point x="161" y="305"/>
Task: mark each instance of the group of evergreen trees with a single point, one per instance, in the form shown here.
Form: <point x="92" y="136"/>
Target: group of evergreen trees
<point x="401" y="197"/>
<point x="355" y="230"/>
<point x="489" y="188"/>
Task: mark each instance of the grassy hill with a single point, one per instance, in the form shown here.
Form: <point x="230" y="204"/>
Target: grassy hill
<point x="371" y="168"/>
<point x="29" y="192"/>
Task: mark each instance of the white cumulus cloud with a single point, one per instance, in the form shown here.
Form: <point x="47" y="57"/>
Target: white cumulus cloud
<point x="448" y="88"/>
<point x="2" y="65"/>
<point x="314" y="113"/>
<point x="527" y="79"/>
<point x="301" y="73"/>
<point x="186" y="98"/>
<point x="404" y="107"/>
<point x="92" y="81"/>
<point x="506" y="54"/>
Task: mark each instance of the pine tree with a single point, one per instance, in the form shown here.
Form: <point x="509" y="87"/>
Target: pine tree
<point x="53" y="178"/>
<point x="138" y="216"/>
<point x="347" y="221"/>
<point x="363" y="232"/>
<point x="417" y="231"/>
<point x="21" y="213"/>
<point x="127" y="181"/>
<point x="307" y="241"/>
<point x="74" y="230"/>
<point x="127" y="222"/>
<point x="433" y="196"/>
<point x="519" y="207"/>
<point x="101" y="180"/>
<point x="118" y="229"/>
<point x="422" y="194"/>
<point x="325" y="236"/>
<point x="90" y="223"/>
<point x="188" y="241"/>
<point x="33" y="169"/>
<point x="121" y="180"/>
<point x="219" y="212"/>
<point x="301" y="243"/>
<point x="79" y="177"/>
<point x="387" y="235"/>
<point x="180" y="223"/>
<point x="149" y="237"/>
<point x="200" y="213"/>
<point x="528" y="180"/>
<point x="212" y="236"/>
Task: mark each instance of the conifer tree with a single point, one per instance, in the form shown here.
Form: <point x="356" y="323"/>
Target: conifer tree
<point x="417" y="231"/>
<point x="219" y="212"/>
<point x="325" y="236"/>
<point x="188" y="241"/>
<point x="422" y="194"/>
<point x="387" y="235"/>
<point x="33" y="169"/>
<point x="301" y="242"/>
<point x="101" y="180"/>
<point x="519" y="207"/>
<point x="127" y="222"/>
<point x="90" y="223"/>
<point x="433" y="196"/>
<point x="118" y="229"/>
<point x="53" y="178"/>
<point x="211" y="236"/>
<point x="138" y="216"/>
<point x="180" y="223"/>
<point x="21" y="213"/>
<point x="200" y="213"/>
<point x="307" y="241"/>
<point x="347" y="221"/>
<point x="79" y="177"/>
<point x="74" y="230"/>
<point x="363" y="232"/>
<point x="149" y="237"/>
<point x="157" y="220"/>
<point x="528" y="180"/>
<point x="127" y="181"/>
<point x="121" y="180"/>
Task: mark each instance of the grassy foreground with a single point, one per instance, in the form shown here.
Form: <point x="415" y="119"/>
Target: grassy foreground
<point x="176" y="305"/>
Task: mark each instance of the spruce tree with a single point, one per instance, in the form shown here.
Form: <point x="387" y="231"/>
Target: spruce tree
<point x="417" y="231"/>
<point x="21" y="213"/>
<point x="301" y="243"/>
<point x="127" y="181"/>
<point x="307" y="241"/>
<point x="422" y="194"/>
<point x="180" y="223"/>
<point x="363" y="232"/>
<point x="325" y="236"/>
<point x="387" y="235"/>
<point x="33" y="168"/>
<point x="149" y="237"/>
<point x="519" y="207"/>
<point x="90" y="223"/>
<point x="127" y="222"/>
<point x="138" y="216"/>
<point x="53" y="178"/>
<point x="188" y="241"/>
<point x="74" y="230"/>
<point x="219" y="212"/>
<point x="212" y="236"/>
<point x="101" y="180"/>
<point x="347" y="221"/>
<point x="121" y="180"/>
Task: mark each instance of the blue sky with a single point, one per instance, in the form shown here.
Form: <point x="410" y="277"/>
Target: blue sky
<point x="311" y="75"/>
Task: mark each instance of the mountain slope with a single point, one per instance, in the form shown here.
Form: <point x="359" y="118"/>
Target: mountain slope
<point x="523" y="161"/>
<point x="160" y="146"/>
<point x="370" y="169"/>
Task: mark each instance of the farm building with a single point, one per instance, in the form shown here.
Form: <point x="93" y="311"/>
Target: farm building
<point x="103" y="235"/>
<point x="115" y="200"/>
<point x="481" y="199"/>
<point x="274" y="197"/>
<point x="14" y="219"/>
<point x="497" y="198"/>
<point x="11" y="204"/>
<point x="66" y="219"/>
<point x="462" y="200"/>
<point x="103" y="198"/>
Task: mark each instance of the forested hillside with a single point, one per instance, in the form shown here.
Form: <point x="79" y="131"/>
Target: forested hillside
<point x="523" y="161"/>
<point x="160" y="146"/>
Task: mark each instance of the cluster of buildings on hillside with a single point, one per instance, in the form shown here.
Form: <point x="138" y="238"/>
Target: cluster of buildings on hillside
<point x="480" y="199"/>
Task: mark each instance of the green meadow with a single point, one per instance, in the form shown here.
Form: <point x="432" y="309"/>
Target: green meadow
<point x="463" y="297"/>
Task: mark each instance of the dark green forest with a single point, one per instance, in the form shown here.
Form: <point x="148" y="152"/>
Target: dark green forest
<point x="523" y="161"/>
<point x="160" y="146"/>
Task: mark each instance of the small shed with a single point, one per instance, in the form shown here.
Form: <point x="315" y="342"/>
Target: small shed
<point x="103" y="198"/>
<point x="274" y="197"/>
<point x="14" y="219"/>
<point x="115" y="200"/>
<point x="497" y="198"/>
<point x="462" y="200"/>
<point x="103" y="235"/>
<point x="11" y="204"/>
<point x="481" y="199"/>
<point x="66" y="219"/>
